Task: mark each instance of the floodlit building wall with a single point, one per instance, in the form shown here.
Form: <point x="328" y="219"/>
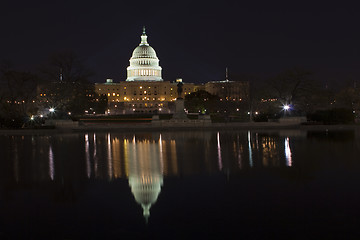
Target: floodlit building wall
<point x="141" y="97"/>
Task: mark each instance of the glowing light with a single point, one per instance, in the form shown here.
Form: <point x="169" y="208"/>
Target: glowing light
<point x="52" y="110"/>
<point x="250" y="150"/>
<point x="95" y="158"/>
<point x="288" y="153"/>
<point x="109" y="156"/>
<point x="51" y="164"/>
<point x="219" y="150"/>
<point x="87" y="155"/>
<point x="286" y="107"/>
<point x="161" y="154"/>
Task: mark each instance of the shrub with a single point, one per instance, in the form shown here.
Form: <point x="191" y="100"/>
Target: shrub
<point x="332" y="116"/>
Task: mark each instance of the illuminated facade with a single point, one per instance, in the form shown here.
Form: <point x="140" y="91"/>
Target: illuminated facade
<point x="144" y="90"/>
<point x="141" y="96"/>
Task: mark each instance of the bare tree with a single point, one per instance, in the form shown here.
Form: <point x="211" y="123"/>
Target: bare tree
<point x="65" y="67"/>
<point x="66" y="84"/>
<point x="292" y="86"/>
<point x="18" y="93"/>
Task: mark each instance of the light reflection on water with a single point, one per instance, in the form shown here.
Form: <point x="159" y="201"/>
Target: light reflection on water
<point x="147" y="161"/>
<point x="51" y="163"/>
<point x="113" y="154"/>
<point x="110" y="155"/>
<point x="145" y="158"/>
<point x="288" y="152"/>
<point x="219" y="150"/>
<point x="250" y="149"/>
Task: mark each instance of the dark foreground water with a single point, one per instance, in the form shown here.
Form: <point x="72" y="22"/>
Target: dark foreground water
<point x="181" y="185"/>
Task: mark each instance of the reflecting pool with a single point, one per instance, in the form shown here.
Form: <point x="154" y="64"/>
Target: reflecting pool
<point x="181" y="185"/>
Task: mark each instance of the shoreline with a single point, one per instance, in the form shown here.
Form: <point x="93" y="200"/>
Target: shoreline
<point x="114" y="127"/>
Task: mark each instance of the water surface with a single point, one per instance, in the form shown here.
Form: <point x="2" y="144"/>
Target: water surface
<point x="252" y="184"/>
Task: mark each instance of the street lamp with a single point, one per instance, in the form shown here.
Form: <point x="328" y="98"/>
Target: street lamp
<point x="286" y="108"/>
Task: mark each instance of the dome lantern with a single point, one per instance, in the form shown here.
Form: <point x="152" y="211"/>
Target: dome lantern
<point x="144" y="38"/>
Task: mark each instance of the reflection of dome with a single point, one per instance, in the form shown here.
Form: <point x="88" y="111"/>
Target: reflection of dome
<point x="144" y="64"/>
<point x="146" y="191"/>
<point x="145" y="172"/>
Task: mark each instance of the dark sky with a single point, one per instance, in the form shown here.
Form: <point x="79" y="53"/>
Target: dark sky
<point x="194" y="40"/>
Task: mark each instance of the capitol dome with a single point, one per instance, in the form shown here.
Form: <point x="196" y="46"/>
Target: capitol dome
<point x="144" y="64"/>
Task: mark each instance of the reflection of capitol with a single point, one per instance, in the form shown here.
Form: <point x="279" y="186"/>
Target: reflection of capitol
<point x="145" y="171"/>
<point x="145" y="159"/>
<point x="146" y="156"/>
<point x="145" y="162"/>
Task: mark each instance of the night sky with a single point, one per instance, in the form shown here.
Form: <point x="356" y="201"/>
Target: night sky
<point x="195" y="40"/>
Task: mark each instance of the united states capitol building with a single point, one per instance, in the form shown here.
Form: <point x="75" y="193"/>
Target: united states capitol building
<point x="145" y="91"/>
